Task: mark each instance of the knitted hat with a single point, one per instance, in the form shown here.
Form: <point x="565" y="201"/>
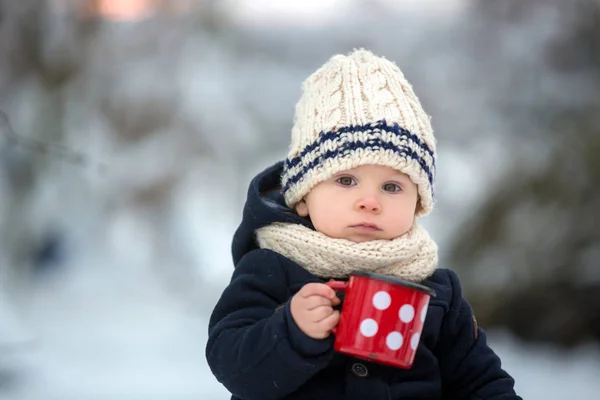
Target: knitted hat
<point x="356" y="110"/>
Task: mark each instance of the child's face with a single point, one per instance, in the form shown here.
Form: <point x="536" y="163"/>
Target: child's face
<point x="368" y="202"/>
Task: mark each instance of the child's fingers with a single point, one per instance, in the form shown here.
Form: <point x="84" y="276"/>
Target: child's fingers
<point x="318" y="289"/>
<point x="316" y="301"/>
<point x="329" y="322"/>
<point x="320" y="313"/>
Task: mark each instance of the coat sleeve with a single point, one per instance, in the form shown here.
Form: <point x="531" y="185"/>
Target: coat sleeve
<point x="470" y="368"/>
<point x="254" y="348"/>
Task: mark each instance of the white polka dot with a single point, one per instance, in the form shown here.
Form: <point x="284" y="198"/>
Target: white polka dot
<point x="407" y="313"/>
<point x="382" y="300"/>
<point x="394" y="340"/>
<point x="414" y="341"/>
<point x="368" y="327"/>
<point x="423" y="313"/>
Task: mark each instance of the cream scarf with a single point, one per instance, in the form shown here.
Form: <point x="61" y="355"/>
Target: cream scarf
<point x="412" y="256"/>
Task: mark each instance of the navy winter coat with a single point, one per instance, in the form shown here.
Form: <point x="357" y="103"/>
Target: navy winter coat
<point x="256" y="350"/>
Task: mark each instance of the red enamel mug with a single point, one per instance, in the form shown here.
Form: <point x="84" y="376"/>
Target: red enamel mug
<point x="381" y="318"/>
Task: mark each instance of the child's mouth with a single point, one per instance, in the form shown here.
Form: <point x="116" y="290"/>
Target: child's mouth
<point x="366" y="228"/>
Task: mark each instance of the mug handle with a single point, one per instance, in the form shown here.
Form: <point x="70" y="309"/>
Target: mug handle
<point x="337" y="285"/>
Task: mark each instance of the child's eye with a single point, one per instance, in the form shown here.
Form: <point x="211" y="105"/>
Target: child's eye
<point x="346" y="181"/>
<point x="392" y="187"/>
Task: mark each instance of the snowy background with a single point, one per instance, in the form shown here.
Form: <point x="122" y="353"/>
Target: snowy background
<point x="131" y="129"/>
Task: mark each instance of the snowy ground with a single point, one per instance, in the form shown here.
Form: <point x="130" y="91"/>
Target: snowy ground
<point x="117" y="342"/>
<point x="131" y="341"/>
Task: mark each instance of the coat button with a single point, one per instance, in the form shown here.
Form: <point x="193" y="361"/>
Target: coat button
<point x="360" y="370"/>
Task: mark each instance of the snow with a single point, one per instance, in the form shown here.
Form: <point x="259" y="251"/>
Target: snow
<point x="544" y="372"/>
<point x="119" y="342"/>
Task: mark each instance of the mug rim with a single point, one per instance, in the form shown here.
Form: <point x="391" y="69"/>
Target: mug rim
<point x="397" y="281"/>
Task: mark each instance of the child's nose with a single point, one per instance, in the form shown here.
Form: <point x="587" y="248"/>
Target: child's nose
<point x="369" y="203"/>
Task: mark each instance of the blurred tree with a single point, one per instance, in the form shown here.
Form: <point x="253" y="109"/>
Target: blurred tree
<point x="30" y="58"/>
<point x="539" y="223"/>
<point x="151" y="91"/>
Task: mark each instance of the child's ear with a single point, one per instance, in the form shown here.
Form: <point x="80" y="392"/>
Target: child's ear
<point x="302" y="208"/>
<point x="418" y="207"/>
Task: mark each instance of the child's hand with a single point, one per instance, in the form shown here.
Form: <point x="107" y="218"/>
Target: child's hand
<point x="312" y="309"/>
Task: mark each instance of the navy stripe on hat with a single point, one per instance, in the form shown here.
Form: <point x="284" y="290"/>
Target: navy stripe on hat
<point x="373" y="143"/>
<point x="379" y="125"/>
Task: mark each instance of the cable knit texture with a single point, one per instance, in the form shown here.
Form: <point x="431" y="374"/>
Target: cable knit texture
<point x="355" y="110"/>
<point x="412" y="256"/>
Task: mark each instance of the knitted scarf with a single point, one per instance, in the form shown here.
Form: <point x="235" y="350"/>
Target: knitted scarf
<point x="412" y="256"/>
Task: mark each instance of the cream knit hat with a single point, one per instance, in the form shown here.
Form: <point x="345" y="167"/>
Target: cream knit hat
<point x="355" y="110"/>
